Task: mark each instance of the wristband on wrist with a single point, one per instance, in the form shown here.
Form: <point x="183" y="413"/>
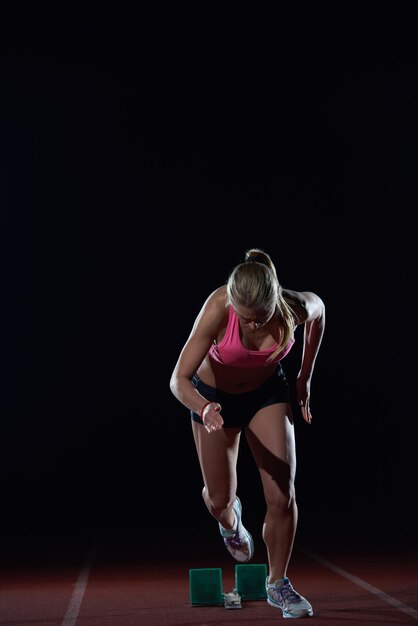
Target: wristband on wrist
<point x="203" y="408"/>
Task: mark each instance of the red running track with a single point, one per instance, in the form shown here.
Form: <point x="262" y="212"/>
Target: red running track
<point x="118" y="582"/>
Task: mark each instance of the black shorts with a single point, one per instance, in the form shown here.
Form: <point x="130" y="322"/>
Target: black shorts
<point x="239" y="408"/>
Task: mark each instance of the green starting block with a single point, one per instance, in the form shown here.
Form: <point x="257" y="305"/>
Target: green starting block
<point x="250" y="581"/>
<point x="206" y="586"/>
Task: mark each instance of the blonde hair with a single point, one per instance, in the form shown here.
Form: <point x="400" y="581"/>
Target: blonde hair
<point x="254" y="285"/>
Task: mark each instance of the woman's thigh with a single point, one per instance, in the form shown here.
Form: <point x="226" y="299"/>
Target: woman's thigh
<point x="217" y="452"/>
<point x="271" y="437"/>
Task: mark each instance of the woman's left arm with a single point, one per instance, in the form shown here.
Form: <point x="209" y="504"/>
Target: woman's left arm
<point x="311" y="313"/>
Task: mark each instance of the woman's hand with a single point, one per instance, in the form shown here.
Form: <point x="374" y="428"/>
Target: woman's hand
<point x="303" y="398"/>
<point x="212" y="419"/>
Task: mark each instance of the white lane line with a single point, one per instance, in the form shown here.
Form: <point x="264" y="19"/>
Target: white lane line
<point x="362" y="583"/>
<point x="74" y="605"/>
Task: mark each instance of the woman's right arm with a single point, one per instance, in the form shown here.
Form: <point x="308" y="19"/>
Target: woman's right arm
<point x="205" y="329"/>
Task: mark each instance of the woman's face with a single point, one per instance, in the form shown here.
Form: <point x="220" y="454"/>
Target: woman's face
<point x="253" y="318"/>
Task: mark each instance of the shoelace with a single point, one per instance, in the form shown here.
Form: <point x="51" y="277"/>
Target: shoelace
<point x="234" y="541"/>
<point x="288" y="594"/>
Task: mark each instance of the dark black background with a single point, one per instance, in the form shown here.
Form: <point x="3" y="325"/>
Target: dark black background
<point x="142" y="151"/>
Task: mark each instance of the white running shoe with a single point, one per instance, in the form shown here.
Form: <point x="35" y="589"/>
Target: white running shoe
<point x="238" y="542"/>
<point x="287" y="599"/>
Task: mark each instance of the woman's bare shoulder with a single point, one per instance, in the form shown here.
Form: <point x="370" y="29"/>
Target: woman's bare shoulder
<point x="219" y="296"/>
<point x="216" y="303"/>
<point x="304" y="304"/>
<point x="214" y="312"/>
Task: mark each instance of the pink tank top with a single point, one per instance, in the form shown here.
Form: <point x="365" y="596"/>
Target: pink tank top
<point x="230" y="350"/>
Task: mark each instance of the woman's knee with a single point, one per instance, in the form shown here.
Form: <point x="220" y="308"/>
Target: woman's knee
<point x="279" y="501"/>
